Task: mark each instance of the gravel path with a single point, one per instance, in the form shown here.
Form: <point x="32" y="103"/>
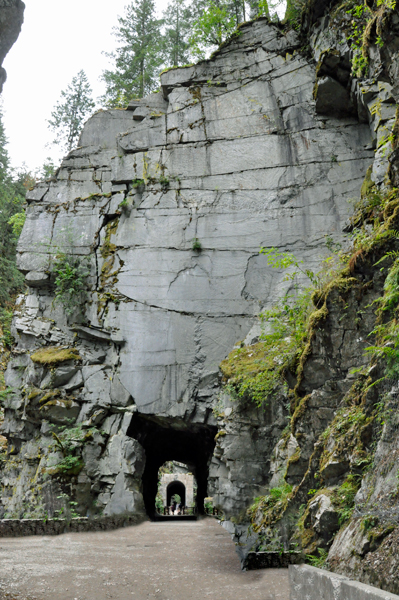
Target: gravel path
<point x="161" y="561"/>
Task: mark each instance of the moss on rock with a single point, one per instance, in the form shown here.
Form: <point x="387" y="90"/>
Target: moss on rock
<point x="54" y="355"/>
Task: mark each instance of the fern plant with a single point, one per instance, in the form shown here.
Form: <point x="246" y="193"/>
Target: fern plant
<point x="71" y="281"/>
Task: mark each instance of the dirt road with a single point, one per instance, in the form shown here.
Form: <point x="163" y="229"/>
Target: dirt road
<point x="161" y="561"/>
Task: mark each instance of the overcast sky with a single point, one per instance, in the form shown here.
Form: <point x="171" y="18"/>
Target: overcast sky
<point x="57" y="40"/>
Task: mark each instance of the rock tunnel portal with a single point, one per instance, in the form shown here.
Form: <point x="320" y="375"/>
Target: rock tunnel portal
<point x="171" y="440"/>
<point x="176" y="487"/>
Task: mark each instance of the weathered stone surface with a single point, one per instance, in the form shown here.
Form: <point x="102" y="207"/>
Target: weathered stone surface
<point x="11" y="19"/>
<point x="324" y="517"/>
<point x="171" y="201"/>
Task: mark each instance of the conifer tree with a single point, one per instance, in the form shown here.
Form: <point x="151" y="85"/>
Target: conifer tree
<point x="178" y="21"/>
<point x="12" y="197"/>
<point x="71" y="112"/>
<point x="138" y="58"/>
<point x="294" y="9"/>
<point x="237" y="9"/>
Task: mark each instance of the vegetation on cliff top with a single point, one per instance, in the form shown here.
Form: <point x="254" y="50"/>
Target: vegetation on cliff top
<point x="188" y="30"/>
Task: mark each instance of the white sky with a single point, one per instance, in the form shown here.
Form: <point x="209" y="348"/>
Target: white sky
<point x="57" y="41"/>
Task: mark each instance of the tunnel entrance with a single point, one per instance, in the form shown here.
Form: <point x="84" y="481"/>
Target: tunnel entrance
<point x="176" y="488"/>
<point x="166" y="439"/>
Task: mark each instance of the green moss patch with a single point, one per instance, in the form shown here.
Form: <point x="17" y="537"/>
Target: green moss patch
<point x="266" y="510"/>
<point x="254" y="372"/>
<point x="54" y="355"/>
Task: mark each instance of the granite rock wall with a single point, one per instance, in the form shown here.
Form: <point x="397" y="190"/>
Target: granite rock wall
<point x="342" y="455"/>
<point x="167" y="203"/>
<point x="11" y="19"/>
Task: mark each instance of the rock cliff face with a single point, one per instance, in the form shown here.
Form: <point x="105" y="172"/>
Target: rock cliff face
<point x="11" y="19"/>
<point x="166" y="205"/>
<point x="341" y="453"/>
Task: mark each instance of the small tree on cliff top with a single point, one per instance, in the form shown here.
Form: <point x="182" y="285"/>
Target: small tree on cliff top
<point x="139" y="57"/>
<point x="215" y="24"/>
<point x="71" y="112"/>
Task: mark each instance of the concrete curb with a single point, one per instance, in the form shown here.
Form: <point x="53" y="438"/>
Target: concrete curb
<point x="24" y="527"/>
<point x="309" y="583"/>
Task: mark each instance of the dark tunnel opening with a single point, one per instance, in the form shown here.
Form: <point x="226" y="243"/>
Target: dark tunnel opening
<point x="167" y="440"/>
<point x="176" y="487"/>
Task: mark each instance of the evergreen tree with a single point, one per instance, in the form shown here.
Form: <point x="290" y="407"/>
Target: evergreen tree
<point x="178" y="21"/>
<point x="12" y="198"/>
<point x="237" y="9"/>
<point x="48" y="169"/>
<point x="71" y="112"/>
<point x="259" y="8"/>
<point x="293" y="10"/>
<point x="139" y="57"/>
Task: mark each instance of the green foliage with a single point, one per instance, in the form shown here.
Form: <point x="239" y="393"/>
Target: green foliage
<point x="208" y="505"/>
<point x="391" y="4"/>
<point x="212" y="27"/>
<point x="48" y="169"/>
<point x="70" y="442"/>
<point x="269" y="506"/>
<point x="368" y="522"/>
<point x="293" y="12"/>
<point x="255" y="372"/>
<point x="363" y="22"/>
<point x="5" y="324"/>
<point x="139" y="56"/>
<point x="68" y="511"/>
<point x="4" y="394"/>
<point x="70" y="465"/>
<point x="17" y="221"/>
<point x="387" y="329"/>
<point x="71" y="281"/>
<point x="70" y="114"/>
<point x="178" y="19"/>
<point x="319" y="560"/>
<point x="137" y="183"/>
<point x="176" y="498"/>
<point x="344" y="497"/>
<point x="286" y="260"/>
<point x="159" y="503"/>
<point x="12" y="198"/>
<point x="197" y="244"/>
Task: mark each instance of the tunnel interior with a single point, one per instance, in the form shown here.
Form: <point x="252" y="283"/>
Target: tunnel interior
<point x="176" y="487"/>
<point x="173" y="440"/>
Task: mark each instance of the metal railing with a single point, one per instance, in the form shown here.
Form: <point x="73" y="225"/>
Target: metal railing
<point x="189" y="510"/>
